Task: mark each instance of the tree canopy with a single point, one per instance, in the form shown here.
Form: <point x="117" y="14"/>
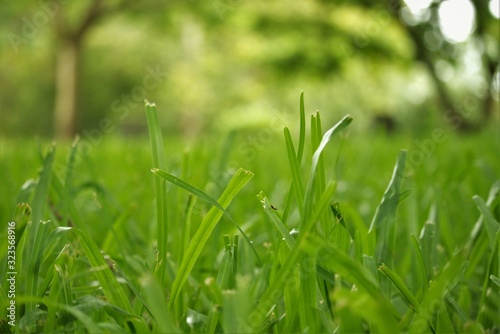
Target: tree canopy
<point x="80" y="65"/>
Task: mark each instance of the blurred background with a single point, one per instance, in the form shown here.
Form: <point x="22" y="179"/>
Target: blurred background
<point x="69" y="67"/>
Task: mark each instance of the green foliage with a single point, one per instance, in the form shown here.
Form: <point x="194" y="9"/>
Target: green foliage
<point x="340" y="51"/>
<point x="308" y="259"/>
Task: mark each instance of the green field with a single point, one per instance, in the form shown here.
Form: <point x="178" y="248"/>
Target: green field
<point x="322" y="228"/>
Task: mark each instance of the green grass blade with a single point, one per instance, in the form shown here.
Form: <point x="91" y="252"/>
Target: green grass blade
<point x="340" y="238"/>
<point x="205" y="197"/>
<point x="310" y="215"/>
<point x="302" y="129"/>
<point x="495" y="280"/>
<point x="337" y="213"/>
<point x="475" y="234"/>
<point x="348" y="268"/>
<point x="203" y="233"/>
<point x="36" y="229"/>
<point x="186" y="230"/>
<point x="155" y="136"/>
<point x="290" y="241"/>
<point x="491" y="225"/>
<point x="309" y="195"/>
<point x="428" y="241"/>
<point x="156" y="142"/>
<point x="444" y="323"/>
<point x="156" y="301"/>
<point x="287" y="207"/>
<point x="60" y="190"/>
<point x="442" y="284"/>
<point x="187" y="186"/>
<point x="234" y="268"/>
<point x="67" y="195"/>
<point x="22" y="216"/>
<point x="401" y="286"/>
<point x="385" y="215"/>
<point x="300" y="154"/>
<point x="321" y="177"/>
<point x="225" y="269"/>
<point x="295" y="168"/>
<point x="110" y="286"/>
<point x="488" y="315"/>
<point x="422" y="270"/>
<point x="87" y="321"/>
<point x="42" y="189"/>
<point x="274" y="290"/>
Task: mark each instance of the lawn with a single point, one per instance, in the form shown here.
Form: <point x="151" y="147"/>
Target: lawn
<point x="317" y="228"/>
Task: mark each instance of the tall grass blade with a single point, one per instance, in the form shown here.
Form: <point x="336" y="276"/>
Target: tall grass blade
<point x="491" y="225"/>
<point x="321" y="177"/>
<point x="490" y="297"/>
<point x="495" y="279"/>
<point x="205" y="229"/>
<point x="274" y="290"/>
<point x="73" y="215"/>
<point x="302" y="129"/>
<point x="90" y="325"/>
<point x="422" y="270"/>
<point x="35" y="232"/>
<point x="428" y="241"/>
<point x="300" y="153"/>
<point x="423" y="321"/>
<point x="110" y="286"/>
<point x="155" y="300"/>
<point x="475" y="234"/>
<point x="187" y="186"/>
<point x="205" y="197"/>
<point x="66" y="195"/>
<point x="351" y="270"/>
<point x="401" y="286"/>
<point x="297" y="182"/>
<point x="156" y="141"/>
<point x="309" y="195"/>
<point x="22" y="216"/>
<point x="385" y="215"/>
<point x="310" y="215"/>
<point x="290" y="241"/>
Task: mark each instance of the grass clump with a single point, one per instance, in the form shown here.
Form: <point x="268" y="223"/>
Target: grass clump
<point x="190" y="257"/>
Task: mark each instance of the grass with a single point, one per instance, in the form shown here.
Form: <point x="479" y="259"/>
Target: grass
<point x="138" y="238"/>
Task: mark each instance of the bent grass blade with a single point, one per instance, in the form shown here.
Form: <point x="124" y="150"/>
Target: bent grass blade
<point x="207" y="198"/>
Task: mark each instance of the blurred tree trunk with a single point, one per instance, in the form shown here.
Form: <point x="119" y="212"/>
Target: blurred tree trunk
<point x="71" y="39"/>
<point x="67" y="77"/>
